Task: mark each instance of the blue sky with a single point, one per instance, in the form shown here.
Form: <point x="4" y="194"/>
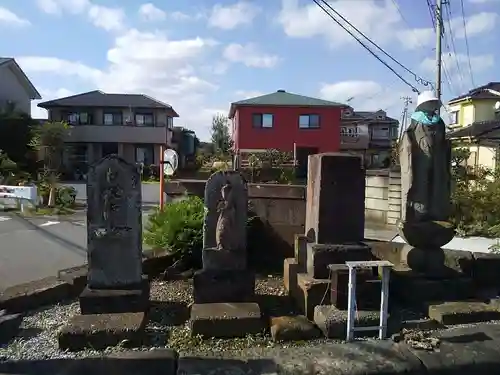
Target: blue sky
<point x="201" y="55"/>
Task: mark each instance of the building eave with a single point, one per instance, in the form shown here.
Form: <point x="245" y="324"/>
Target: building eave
<point x="28" y="85"/>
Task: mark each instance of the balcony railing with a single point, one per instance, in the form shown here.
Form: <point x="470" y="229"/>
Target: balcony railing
<point x="119" y="133"/>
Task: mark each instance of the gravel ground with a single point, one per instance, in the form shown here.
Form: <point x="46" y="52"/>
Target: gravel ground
<point x="167" y="327"/>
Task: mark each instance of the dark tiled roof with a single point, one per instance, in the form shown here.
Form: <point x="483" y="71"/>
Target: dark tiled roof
<point x="372" y="115"/>
<point x="480" y="92"/>
<point x="283" y="98"/>
<point x="3" y="60"/>
<point x="480" y="130"/>
<point x="100" y="99"/>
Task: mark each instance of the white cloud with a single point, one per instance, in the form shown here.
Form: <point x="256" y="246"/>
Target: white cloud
<point x="250" y="56"/>
<point x="107" y="18"/>
<point x="478" y="63"/>
<point x="362" y="95"/>
<point x="246" y="94"/>
<point x="232" y="16"/>
<point x="483" y="1"/>
<point x="62" y="6"/>
<point x="149" y="12"/>
<point x="378" y="19"/>
<point x="148" y="63"/>
<point x="9" y="18"/>
<point x="476" y="24"/>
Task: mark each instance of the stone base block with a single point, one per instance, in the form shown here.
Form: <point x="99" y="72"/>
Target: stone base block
<point x="333" y="322"/>
<point x="293" y="328"/>
<point x="320" y="256"/>
<point x="214" y="259"/>
<point x="9" y="326"/>
<point x="486" y="270"/>
<point x="100" y="331"/>
<point x="215" y="286"/>
<point x="410" y="288"/>
<point x="310" y="293"/>
<point x="110" y="301"/>
<point x="463" y="312"/>
<point x="290" y="271"/>
<point x="226" y="320"/>
<point x="76" y="277"/>
<point x="367" y="287"/>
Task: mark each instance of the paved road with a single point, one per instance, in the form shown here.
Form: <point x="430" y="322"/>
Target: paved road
<point x="34" y="248"/>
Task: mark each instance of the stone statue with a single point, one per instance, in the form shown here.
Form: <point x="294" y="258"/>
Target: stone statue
<point x="424" y="155"/>
<point x="225" y="230"/>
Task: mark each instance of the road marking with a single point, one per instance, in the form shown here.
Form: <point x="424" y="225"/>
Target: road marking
<point x="4" y="218"/>
<point x="49" y="223"/>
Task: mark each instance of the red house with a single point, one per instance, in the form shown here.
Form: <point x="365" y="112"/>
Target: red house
<point x="286" y="122"/>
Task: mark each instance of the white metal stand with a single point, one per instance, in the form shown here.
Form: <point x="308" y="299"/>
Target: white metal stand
<point x="384" y="297"/>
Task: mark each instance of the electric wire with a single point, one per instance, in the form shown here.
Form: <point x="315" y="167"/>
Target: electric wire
<point x="448" y="80"/>
<point x="417" y="79"/>
<point x="467" y="43"/>
<point x="453" y="45"/>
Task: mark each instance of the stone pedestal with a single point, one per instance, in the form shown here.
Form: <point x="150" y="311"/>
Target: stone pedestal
<point x="217" y="286"/>
<point x="135" y="298"/>
<point x="215" y="259"/>
<point x="428" y="234"/>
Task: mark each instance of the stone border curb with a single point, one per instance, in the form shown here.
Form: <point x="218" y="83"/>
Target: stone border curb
<point x="68" y="284"/>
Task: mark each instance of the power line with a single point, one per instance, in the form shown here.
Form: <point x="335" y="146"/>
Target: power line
<point x="452" y="38"/>
<point x="467" y="43"/>
<point x="417" y="78"/>
<point x="431" y="8"/>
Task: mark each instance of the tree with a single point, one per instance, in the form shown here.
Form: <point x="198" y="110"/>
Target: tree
<point x="221" y="139"/>
<point x="48" y="140"/>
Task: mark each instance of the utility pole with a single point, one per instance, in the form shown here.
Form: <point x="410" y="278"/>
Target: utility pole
<point x="439" y="38"/>
<point x="404" y="115"/>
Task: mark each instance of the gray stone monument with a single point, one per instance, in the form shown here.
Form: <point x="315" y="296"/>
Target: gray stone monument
<point x="114" y="239"/>
<point x="224" y="289"/>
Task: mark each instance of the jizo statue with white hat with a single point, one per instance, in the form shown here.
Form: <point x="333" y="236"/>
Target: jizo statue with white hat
<point x="424" y="155"/>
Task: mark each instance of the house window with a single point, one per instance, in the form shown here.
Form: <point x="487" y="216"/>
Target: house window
<point x="143" y="119"/>
<point x="262" y="120"/>
<point x="144" y="154"/>
<point x="380" y="133"/>
<point x="77" y="118"/>
<point x="453" y="117"/>
<point x="73" y="118"/>
<point x="170" y="123"/>
<point x="112" y="119"/>
<point x="309" y="121"/>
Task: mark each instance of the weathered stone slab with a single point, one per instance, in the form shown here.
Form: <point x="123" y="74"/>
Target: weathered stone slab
<point x="212" y="286"/>
<point x="226" y="320"/>
<point x="75" y="276"/>
<point x="487" y="269"/>
<point x="234" y="365"/>
<point x="290" y="271"/>
<point x="311" y="292"/>
<point x="102" y="330"/>
<point x="293" y="328"/>
<point x="9" y="326"/>
<point x="109" y="301"/>
<point x="463" y="312"/>
<point x="333" y="322"/>
<point x="114" y="224"/>
<point x="213" y="196"/>
<point x="464" y="351"/>
<point x="335" y="205"/>
<point x="412" y="288"/>
<point x="300" y="249"/>
<point x="34" y="294"/>
<point x="320" y="256"/>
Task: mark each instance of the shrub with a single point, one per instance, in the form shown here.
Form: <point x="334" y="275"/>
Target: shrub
<point x="178" y="228"/>
<point x="65" y="196"/>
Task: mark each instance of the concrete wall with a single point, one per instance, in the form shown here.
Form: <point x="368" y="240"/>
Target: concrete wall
<point x="281" y="208"/>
